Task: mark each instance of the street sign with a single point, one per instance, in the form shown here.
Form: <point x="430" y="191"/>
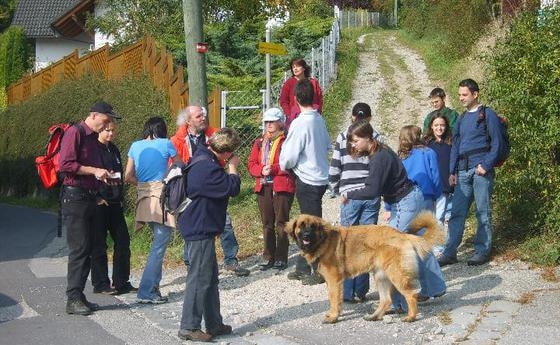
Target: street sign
<point x="272" y="48"/>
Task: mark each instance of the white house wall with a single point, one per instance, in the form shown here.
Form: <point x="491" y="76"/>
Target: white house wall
<point x="49" y="50"/>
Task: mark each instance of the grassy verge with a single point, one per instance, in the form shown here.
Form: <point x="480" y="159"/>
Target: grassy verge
<point x="32" y="202"/>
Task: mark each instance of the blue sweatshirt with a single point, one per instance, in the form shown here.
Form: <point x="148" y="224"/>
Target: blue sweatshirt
<point x="422" y="168"/>
<point x="443" y="152"/>
<point x="469" y="134"/>
<point x="209" y="187"/>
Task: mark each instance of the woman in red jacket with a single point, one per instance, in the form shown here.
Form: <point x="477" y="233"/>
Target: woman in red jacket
<point x="300" y="70"/>
<point x="274" y="188"/>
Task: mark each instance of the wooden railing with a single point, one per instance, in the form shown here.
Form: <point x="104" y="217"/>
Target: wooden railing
<point x="141" y="57"/>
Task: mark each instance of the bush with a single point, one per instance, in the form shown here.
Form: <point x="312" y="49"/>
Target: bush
<point x="456" y="24"/>
<point x="24" y="127"/>
<point x="14" y="55"/>
<point x="523" y="85"/>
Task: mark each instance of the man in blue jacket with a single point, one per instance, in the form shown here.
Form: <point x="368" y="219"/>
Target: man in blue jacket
<point x="472" y="162"/>
<point x="209" y="187"/>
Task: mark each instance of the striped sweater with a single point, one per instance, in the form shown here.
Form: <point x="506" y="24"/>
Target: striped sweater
<point x="347" y="173"/>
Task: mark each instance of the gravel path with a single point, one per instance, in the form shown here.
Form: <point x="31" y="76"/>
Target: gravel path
<point x="481" y="306"/>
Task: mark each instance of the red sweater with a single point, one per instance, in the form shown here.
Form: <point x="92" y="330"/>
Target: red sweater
<point x="181" y="144"/>
<point x="288" y="99"/>
<point x="282" y="181"/>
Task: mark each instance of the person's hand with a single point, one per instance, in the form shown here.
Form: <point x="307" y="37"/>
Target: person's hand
<point x="452" y="180"/>
<point x="266" y="170"/>
<point x="386" y="216"/>
<point x="344" y="200"/>
<point x="480" y="170"/>
<point x="102" y="202"/>
<point x="101" y="174"/>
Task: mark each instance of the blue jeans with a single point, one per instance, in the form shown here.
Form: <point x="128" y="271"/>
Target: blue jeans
<point x="358" y="212"/>
<point x="471" y="186"/>
<point x="429" y="272"/>
<point x="229" y="244"/>
<point x="443" y="204"/>
<point x="149" y="284"/>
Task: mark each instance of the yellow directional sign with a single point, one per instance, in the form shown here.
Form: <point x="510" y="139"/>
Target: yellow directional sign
<point x="272" y="48"/>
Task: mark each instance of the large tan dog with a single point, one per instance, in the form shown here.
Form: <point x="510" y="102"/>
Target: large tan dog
<point x="347" y="252"/>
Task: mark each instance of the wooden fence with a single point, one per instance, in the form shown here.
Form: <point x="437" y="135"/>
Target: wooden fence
<point x="141" y="57"/>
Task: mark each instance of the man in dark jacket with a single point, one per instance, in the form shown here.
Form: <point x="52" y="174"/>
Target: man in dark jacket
<point x="209" y="187"/>
<point x="109" y="215"/>
<point x="471" y="166"/>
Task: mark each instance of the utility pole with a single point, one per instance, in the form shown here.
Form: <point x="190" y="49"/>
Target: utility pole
<point x="267" y="74"/>
<point x="395" y="13"/>
<point x="196" y="59"/>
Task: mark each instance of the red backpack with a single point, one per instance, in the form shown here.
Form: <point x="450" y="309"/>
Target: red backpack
<point x="48" y="164"/>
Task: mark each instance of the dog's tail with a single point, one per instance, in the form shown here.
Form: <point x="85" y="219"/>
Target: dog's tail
<point x="433" y="235"/>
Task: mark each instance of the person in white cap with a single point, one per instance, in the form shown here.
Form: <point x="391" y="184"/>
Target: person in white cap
<point x="275" y="189"/>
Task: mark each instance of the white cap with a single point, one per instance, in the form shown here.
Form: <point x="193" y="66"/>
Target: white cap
<point x="274" y="114"/>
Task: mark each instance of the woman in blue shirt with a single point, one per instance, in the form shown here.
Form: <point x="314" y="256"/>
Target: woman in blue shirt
<point x="146" y="167"/>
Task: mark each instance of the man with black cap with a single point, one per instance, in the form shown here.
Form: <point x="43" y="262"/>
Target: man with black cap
<point x="82" y="171"/>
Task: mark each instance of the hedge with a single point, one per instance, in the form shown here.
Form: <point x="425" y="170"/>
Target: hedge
<point x="24" y="127"/>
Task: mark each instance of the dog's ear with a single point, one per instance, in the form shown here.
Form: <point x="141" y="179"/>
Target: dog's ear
<point x="290" y="228"/>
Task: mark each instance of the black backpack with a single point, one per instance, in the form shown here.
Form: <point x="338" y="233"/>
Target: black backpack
<point x="173" y="197"/>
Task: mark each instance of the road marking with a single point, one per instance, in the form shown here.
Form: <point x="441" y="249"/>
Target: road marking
<point x="17" y="311"/>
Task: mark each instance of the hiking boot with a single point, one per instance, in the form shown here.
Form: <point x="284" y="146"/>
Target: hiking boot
<point x="313" y="279"/>
<point x="126" y="288"/>
<point x="237" y="270"/>
<point x="423" y="298"/>
<point x="445" y="260"/>
<point x="222" y="330"/>
<point x="107" y="290"/>
<point x="478" y="259"/>
<point x="266" y="264"/>
<point x="195" y="335"/>
<point x="156" y="300"/>
<point x="280" y="265"/>
<point x="77" y="307"/>
<point x="297" y="275"/>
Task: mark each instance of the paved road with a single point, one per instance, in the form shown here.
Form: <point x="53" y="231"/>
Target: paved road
<point x="32" y="285"/>
<point x="482" y="305"/>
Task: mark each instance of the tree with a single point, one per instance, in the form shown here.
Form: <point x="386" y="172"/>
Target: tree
<point x="7" y="8"/>
<point x="14" y="55"/>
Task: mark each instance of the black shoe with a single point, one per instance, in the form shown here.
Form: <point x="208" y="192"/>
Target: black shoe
<point x="263" y="266"/>
<point x="478" y="259"/>
<point x="77" y="307"/>
<point x="92" y="306"/>
<point x="222" y="330"/>
<point x="126" y="288"/>
<point x="280" y="265"/>
<point x="444" y="260"/>
<point x="237" y="270"/>
<point x="107" y="290"/>
<point x="313" y="279"/>
<point x="297" y="275"/>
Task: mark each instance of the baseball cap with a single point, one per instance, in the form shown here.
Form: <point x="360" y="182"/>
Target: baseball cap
<point x="104" y="108"/>
<point x="273" y="114"/>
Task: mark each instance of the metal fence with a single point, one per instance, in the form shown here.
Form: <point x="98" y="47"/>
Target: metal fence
<point x="361" y="18"/>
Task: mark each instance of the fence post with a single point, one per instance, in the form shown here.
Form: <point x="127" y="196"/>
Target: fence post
<point x="323" y="62"/>
<point x="313" y="62"/>
<point x="348" y="18"/>
<point x="223" y="108"/>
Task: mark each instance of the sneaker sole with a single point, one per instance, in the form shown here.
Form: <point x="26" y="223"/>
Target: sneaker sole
<point x="149" y="301"/>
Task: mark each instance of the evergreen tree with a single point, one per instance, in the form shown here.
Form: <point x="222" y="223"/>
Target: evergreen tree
<point x="14" y="55"/>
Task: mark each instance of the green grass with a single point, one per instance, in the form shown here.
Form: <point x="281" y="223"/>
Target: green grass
<point x="32" y="202"/>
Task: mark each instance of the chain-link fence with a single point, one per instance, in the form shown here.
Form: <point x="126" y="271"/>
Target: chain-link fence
<point x="243" y="110"/>
<point x="361" y="18"/>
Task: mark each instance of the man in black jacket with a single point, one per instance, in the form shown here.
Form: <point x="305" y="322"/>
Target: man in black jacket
<point x="109" y="216"/>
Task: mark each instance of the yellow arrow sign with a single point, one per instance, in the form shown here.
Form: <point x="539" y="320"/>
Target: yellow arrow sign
<point x="272" y="48"/>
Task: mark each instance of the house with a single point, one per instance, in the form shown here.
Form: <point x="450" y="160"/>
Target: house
<point x="58" y="27"/>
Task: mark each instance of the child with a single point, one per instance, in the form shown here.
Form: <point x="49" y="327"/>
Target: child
<point x="437" y="99"/>
<point x="438" y="139"/>
<point x="275" y="190"/>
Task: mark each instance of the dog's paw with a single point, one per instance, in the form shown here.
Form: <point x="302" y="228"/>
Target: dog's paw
<point x="409" y="319"/>
<point x="330" y="319"/>
<point x="372" y="317"/>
